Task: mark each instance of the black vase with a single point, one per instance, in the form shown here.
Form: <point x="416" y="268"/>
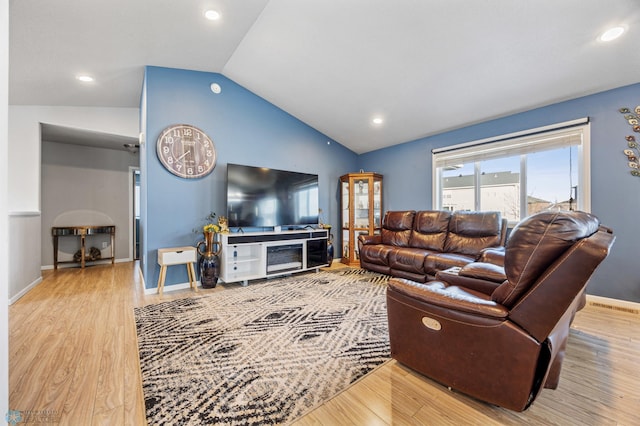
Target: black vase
<point x="209" y="268"/>
<point x="209" y="263"/>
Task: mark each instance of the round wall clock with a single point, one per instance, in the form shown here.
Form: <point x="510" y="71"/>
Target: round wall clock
<point x="186" y="151"/>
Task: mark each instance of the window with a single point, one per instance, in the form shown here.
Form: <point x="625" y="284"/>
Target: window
<point x="517" y="174"/>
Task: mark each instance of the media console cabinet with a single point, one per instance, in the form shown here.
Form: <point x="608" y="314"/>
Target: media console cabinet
<point x="255" y="255"/>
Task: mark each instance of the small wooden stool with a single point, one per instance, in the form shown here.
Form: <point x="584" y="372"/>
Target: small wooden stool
<point x="177" y="256"/>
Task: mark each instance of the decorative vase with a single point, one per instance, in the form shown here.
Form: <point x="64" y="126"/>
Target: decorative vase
<point x="209" y="263"/>
<point x="330" y="250"/>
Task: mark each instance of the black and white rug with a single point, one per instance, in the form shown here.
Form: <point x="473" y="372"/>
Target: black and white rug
<point x="261" y="354"/>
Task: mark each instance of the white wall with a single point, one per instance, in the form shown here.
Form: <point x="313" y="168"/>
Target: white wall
<point x="24" y="142"/>
<point x="24" y="166"/>
<point x="4" y="223"/>
<point x="24" y="271"/>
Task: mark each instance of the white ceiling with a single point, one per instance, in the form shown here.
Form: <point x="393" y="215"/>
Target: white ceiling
<point x="425" y="66"/>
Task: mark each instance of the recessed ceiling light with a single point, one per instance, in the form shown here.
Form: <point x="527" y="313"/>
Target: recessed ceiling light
<point x="377" y="120"/>
<point x="85" y="78"/>
<point x="612" y="34"/>
<point x="212" y="15"/>
<point x="215" y="88"/>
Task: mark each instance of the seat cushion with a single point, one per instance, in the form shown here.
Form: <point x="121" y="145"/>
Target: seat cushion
<point x="435" y="262"/>
<point x="408" y="259"/>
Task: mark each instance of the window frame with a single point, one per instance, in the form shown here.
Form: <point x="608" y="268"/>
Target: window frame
<point x="513" y="143"/>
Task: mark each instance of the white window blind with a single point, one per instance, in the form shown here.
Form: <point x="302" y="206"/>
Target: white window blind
<point x="505" y="148"/>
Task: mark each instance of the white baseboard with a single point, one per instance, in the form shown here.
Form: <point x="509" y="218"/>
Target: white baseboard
<point x="615" y="304"/>
<point x="172" y="287"/>
<point x="141" y="275"/>
<point x="93" y="262"/>
<point x="24" y="291"/>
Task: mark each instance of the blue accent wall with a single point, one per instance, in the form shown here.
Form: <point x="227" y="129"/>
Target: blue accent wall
<point x="615" y="193"/>
<point x="245" y="129"/>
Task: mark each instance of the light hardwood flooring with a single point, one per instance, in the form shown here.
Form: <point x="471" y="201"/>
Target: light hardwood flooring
<point x="73" y="356"/>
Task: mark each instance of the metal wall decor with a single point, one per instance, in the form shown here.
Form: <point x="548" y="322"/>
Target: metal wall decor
<point x="633" y="149"/>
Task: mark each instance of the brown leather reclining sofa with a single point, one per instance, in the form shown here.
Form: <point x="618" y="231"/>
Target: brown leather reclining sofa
<point x="416" y="245"/>
<point x="501" y="343"/>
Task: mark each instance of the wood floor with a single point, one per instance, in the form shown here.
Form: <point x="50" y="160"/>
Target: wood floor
<point x="73" y="358"/>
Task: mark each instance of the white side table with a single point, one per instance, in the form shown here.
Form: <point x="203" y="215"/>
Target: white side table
<point x="177" y="256"/>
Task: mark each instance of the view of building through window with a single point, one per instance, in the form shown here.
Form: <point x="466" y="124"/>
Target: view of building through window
<point x="515" y="185"/>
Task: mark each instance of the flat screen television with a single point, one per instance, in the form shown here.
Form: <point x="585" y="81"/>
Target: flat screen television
<point x="262" y="197"/>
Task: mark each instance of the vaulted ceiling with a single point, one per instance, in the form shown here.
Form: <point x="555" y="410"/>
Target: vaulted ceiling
<point x="422" y="66"/>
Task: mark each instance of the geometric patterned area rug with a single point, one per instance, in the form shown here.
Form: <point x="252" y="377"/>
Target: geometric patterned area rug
<point x="261" y="354"/>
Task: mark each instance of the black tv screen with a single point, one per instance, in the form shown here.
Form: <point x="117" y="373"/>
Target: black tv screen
<point x="262" y="197"/>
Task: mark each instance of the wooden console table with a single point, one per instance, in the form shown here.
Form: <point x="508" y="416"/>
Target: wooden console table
<point x="82" y="232"/>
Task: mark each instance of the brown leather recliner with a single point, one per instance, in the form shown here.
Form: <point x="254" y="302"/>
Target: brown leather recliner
<point x="502" y="347"/>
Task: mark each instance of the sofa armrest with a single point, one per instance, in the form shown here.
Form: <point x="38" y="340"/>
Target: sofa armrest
<point x="483" y="271"/>
<point x="494" y="255"/>
<point x="370" y="239"/>
<point x="364" y="240"/>
<point x="481" y="277"/>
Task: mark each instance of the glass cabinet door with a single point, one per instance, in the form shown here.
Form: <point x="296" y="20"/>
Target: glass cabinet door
<point x="346" y="229"/>
<point x="361" y="207"/>
<point x="361" y="211"/>
<point x="377" y="204"/>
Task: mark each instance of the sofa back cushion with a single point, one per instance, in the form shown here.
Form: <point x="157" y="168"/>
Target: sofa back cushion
<point x="396" y="228"/>
<point x="470" y="232"/>
<point x="430" y="229"/>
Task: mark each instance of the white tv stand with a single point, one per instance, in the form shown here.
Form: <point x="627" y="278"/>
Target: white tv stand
<point x="254" y="255"/>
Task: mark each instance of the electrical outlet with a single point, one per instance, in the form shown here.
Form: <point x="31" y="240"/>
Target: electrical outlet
<point x="104" y="244"/>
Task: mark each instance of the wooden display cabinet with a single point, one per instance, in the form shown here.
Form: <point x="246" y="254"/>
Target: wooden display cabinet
<point x="361" y="207"/>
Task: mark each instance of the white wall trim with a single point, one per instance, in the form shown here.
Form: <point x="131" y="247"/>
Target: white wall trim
<point x="24" y="291"/>
<point x="169" y="288"/>
<point x="25" y="213"/>
<point x="141" y="275"/>
<point x="76" y="265"/>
